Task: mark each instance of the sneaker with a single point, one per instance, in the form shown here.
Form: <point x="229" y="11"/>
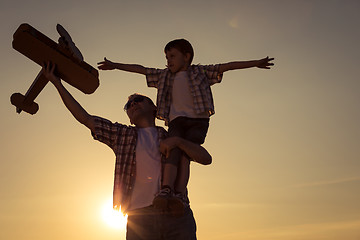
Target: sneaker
<point x="66" y="42"/>
<point x="161" y="199"/>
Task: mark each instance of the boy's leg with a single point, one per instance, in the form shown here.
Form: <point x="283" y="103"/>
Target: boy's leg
<point x="195" y="132"/>
<point x="183" y="175"/>
<point x="170" y="167"/>
<point x="176" y="129"/>
<point x="179" y="201"/>
<point x="167" y="189"/>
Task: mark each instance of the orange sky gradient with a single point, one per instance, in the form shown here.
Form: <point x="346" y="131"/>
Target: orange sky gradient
<point x="285" y="141"/>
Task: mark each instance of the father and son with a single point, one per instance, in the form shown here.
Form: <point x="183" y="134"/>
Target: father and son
<point x="152" y="164"/>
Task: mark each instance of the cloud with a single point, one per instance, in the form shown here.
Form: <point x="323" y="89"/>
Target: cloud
<point x="230" y="205"/>
<point x="312" y="231"/>
<point x="329" y="182"/>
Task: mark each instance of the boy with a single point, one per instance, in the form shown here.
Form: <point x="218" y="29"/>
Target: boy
<point x="185" y="103"/>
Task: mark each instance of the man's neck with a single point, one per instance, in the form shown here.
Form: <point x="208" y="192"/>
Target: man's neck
<point x="145" y="123"/>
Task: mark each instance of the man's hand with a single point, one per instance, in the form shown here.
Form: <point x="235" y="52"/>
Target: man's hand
<point x="106" y="65"/>
<point x="265" y="63"/>
<point x="167" y="144"/>
<point x="71" y="104"/>
<point x="48" y="71"/>
<point x="195" y="152"/>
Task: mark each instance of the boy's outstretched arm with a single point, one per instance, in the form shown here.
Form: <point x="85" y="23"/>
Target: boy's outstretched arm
<point x="261" y="63"/>
<point x="71" y="104"/>
<point x="196" y="152"/>
<point x="109" y="65"/>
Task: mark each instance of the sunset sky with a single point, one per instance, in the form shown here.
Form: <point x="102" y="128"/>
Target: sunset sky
<point x="285" y="142"/>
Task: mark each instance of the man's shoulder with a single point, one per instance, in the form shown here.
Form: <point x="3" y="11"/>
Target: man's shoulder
<point x="162" y="132"/>
<point x="100" y="121"/>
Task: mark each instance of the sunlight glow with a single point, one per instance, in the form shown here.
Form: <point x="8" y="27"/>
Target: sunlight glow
<point x="113" y="218"/>
<point x="234" y="22"/>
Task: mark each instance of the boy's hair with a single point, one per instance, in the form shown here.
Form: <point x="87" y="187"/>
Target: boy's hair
<point x="182" y="45"/>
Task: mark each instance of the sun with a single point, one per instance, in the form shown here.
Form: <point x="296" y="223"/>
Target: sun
<point x="113" y="218"/>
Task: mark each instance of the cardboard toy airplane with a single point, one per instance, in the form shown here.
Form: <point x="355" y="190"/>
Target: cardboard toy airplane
<point x="65" y="55"/>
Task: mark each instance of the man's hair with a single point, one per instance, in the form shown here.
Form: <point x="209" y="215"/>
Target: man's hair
<point x="182" y="45"/>
<point x="147" y="98"/>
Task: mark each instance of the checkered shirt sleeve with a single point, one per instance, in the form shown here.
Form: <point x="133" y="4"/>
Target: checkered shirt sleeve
<point x="201" y="78"/>
<point x="122" y="140"/>
<point x="161" y="79"/>
<point x="212" y="73"/>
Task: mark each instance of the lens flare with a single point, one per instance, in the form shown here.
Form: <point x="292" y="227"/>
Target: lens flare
<point x="113" y="218"/>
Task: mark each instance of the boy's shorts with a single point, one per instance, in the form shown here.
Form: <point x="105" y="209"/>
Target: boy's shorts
<point x="191" y="129"/>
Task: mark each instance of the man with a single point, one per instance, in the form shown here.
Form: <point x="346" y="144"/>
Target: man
<point x="138" y="168"/>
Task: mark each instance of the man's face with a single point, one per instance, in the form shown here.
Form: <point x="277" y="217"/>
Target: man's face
<point x="176" y="60"/>
<point x="139" y="107"/>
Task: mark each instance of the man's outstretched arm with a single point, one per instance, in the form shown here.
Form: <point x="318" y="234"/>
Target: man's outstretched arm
<point x="71" y="104"/>
<point x="196" y="152"/>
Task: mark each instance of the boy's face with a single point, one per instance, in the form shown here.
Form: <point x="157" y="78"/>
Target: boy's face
<point x="176" y="60"/>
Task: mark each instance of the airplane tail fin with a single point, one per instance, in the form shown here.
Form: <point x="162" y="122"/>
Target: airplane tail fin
<point x="21" y="104"/>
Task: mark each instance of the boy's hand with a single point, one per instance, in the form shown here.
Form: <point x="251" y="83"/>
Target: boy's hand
<point x="106" y="65"/>
<point x="265" y="63"/>
<point x="48" y="71"/>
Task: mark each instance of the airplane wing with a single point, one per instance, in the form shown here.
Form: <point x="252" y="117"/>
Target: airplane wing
<point x="41" y="49"/>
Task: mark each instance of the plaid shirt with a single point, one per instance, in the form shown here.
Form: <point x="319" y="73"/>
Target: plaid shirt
<point x="201" y="78"/>
<point x="122" y="140"/>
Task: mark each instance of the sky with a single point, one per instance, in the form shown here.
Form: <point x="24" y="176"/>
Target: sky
<point x="284" y="142"/>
